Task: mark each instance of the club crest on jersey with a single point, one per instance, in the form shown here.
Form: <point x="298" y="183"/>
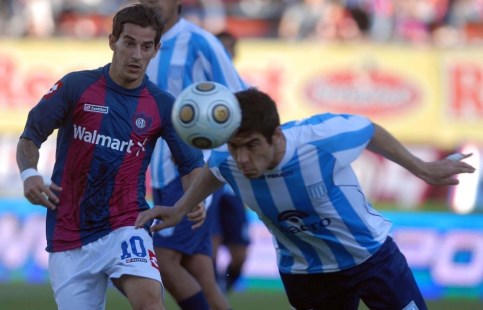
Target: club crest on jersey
<point x="53" y="89"/>
<point x="96" y="108"/>
<point x="140" y="123"/>
<point x="317" y="192"/>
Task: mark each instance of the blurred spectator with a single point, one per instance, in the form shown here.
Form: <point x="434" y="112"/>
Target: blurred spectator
<point x="209" y="14"/>
<point x="438" y="22"/>
<point x="299" y="20"/>
<point x="466" y="16"/>
<point x="40" y="18"/>
<point x="12" y="18"/>
<point x="415" y="20"/>
<point x="341" y="23"/>
<point x="326" y="20"/>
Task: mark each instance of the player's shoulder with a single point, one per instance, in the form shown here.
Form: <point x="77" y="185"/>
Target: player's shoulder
<point x="83" y="75"/>
<point x="199" y="36"/>
<point x="219" y="155"/>
<point x="324" y="119"/>
<point x="308" y="122"/>
<point x="158" y="93"/>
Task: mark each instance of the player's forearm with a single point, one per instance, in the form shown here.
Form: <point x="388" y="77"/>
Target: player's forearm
<point x="190" y="178"/>
<point x="385" y="144"/>
<point x="27" y="154"/>
<point x="200" y="188"/>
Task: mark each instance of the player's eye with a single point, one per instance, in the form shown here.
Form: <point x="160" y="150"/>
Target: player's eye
<point x="147" y="47"/>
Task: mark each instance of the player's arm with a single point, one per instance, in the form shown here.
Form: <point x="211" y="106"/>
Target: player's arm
<point x="36" y="190"/>
<point x="440" y="172"/>
<point x="198" y="214"/>
<point x="203" y="186"/>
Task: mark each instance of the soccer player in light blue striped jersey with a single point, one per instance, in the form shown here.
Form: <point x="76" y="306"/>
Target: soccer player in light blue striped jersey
<point x="188" y="54"/>
<point x="333" y="249"/>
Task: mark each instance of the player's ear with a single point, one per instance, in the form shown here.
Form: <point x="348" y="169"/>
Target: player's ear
<point x="277" y="136"/>
<point x="156" y="50"/>
<point x="112" y="42"/>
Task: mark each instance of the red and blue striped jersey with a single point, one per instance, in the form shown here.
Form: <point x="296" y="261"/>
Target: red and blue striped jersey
<point x="106" y="136"/>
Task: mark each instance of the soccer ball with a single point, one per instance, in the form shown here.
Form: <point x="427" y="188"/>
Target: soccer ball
<point x="206" y="114"/>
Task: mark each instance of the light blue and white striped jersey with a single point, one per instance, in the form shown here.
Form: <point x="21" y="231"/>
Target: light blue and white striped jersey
<point x="188" y="54"/>
<point x="312" y="202"/>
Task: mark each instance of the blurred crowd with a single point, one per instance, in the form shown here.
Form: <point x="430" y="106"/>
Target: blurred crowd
<point x="439" y="22"/>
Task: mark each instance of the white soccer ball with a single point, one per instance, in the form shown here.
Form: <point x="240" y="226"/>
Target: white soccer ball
<point x="206" y="114"/>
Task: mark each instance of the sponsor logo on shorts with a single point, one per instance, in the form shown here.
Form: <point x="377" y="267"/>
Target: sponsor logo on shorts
<point x="136" y="259"/>
<point x="153" y="259"/>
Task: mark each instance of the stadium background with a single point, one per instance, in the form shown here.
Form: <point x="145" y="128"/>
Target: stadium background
<point x="428" y="93"/>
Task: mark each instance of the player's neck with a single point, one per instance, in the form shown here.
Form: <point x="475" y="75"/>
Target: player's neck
<point x="170" y="24"/>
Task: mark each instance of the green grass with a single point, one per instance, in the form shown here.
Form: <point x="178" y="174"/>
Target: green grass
<point x="39" y="297"/>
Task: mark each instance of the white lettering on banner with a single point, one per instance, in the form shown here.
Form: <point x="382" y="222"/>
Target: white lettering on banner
<point x="466" y="100"/>
<point x="418" y="245"/>
<point x="438" y="252"/>
<point x="447" y="271"/>
<point x="21" y="242"/>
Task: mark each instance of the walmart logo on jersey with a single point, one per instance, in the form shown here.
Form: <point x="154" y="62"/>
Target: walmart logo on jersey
<point x="93" y="137"/>
<point x="296" y="221"/>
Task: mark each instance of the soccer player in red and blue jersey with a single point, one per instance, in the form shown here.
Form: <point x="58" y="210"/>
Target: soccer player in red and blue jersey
<point x="108" y="121"/>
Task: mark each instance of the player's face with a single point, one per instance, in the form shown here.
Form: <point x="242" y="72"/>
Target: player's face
<point x="254" y="155"/>
<point x="167" y="9"/>
<point x="132" y="53"/>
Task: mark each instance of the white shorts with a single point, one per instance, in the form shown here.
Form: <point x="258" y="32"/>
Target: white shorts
<point x="80" y="277"/>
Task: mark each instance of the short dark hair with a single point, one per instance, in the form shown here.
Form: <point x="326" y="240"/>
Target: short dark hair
<point x="140" y="15"/>
<point x="225" y="34"/>
<point x="259" y="113"/>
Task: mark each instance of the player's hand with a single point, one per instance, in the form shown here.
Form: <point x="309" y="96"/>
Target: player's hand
<point x="168" y="216"/>
<point x="197" y="215"/>
<point x="444" y="172"/>
<point x="41" y="193"/>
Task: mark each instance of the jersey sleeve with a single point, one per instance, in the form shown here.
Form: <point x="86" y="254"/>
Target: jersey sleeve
<point x="51" y="111"/>
<point x="217" y="162"/>
<point x="217" y="64"/>
<point x="343" y="135"/>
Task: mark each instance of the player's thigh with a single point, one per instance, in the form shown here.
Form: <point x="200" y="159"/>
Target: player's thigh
<point x="77" y="280"/>
<point x="167" y="258"/>
<point x="238" y="253"/>
<point x="317" y="291"/>
<point x="133" y="261"/>
<point x="201" y="267"/>
<point x="390" y="283"/>
<point x="142" y="293"/>
<point x="77" y="276"/>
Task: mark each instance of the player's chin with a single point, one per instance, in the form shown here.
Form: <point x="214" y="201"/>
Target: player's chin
<point x="251" y="174"/>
